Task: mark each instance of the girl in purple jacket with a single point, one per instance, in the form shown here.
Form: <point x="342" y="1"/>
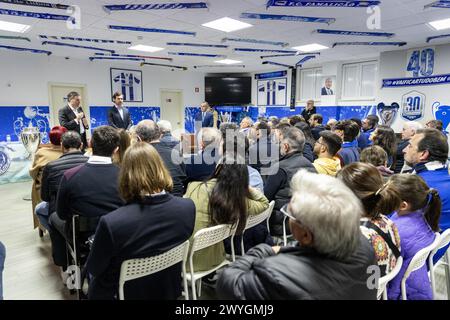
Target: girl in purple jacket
<point x="417" y="221"/>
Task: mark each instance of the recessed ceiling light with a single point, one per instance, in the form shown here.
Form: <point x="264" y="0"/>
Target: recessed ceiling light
<point x="141" y="47"/>
<point x="227" y="24"/>
<point x="310" y="47"/>
<point x="440" y="24"/>
<point x="14" y="27"/>
<point x="228" y="61"/>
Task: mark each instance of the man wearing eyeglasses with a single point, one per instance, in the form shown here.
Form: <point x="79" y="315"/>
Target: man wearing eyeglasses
<point x="330" y="260"/>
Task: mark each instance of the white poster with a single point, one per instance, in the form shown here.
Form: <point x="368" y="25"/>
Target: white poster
<point x="127" y="82"/>
<point x="272" y="92"/>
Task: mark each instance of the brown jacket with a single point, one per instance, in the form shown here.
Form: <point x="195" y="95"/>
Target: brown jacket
<point x="44" y="155"/>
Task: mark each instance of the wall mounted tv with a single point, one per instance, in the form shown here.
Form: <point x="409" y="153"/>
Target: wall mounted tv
<point x="228" y="90"/>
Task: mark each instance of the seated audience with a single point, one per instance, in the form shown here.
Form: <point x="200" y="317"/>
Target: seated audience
<point x="44" y="155"/>
<point x="245" y="125"/>
<point x="379" y="199"/>
<point x="330" y="261"/>
<point x="264" y="151"/>
<point x="148" y="131"/>
<point x="89" y="190"/>
<point x="330" y="124"/>
<point x="427" y="153"/>
<point x="438" y="125"/>
<point x="152" y="222"/>
<point x="124" y="143"/>
<point x="417" y="220"/>
<point x="326" y="148"/>
<point x="369" y="124"/>
<point x="166" y="138"/>
<point x="384" y="137"/>
<point x="308" y="149"/>
<point x="273" y="121"/>
<point x="296" y="119"/>
<point x="53" y="171"/>
<point x="224" y="199"/>
<point x="375" y="155"/>
<point x="200" y="166"/>
<point x="277" y="131"/>
<point x="316" y="125"/>
<point x="2" y="265"/>
<point x="348" y="131"/>
<point x="409" y="130"/>
<point x="278" y="185"/>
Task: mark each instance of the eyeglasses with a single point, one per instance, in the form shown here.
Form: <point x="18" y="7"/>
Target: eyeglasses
<point x="285" y="211"/>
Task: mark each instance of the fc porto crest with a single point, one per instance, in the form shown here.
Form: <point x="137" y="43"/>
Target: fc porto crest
<point x="413" y="106"/>
<point x="388" y="113"/>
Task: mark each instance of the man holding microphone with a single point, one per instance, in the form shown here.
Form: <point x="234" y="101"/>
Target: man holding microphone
<point x="73" y="118"/>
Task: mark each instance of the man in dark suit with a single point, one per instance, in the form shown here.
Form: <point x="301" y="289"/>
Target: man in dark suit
<point x="327" y="91"/>
<point x="204" y="117"/>
<point x="73" y="118"/>
<point x="119" y="116"/>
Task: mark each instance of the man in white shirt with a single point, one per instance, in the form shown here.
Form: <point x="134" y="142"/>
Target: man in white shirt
<point x="72" y="116"/>
<point x="119" y="116"/>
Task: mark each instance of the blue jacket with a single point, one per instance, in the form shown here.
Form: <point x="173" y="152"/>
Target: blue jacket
<point x="415" y="234"/>
<point x="438" y="179"/>
<point x="208" y="121"/>
<point x="2" y="264"/>
<point x="349" y="152"/>
<point x="363" y="139"/>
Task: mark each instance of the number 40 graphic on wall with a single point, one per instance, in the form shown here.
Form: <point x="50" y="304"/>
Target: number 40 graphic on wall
<point x="421" y="62"/>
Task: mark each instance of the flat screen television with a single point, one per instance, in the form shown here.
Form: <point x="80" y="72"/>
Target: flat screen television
<point x="228" y="90"/>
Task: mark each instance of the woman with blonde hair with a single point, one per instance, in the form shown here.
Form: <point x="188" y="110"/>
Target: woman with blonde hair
<point x="152" y="222"/>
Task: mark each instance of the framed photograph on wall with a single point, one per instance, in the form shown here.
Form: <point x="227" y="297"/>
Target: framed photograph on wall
<point x="328" y="86"/>
<point x="129" y="83"/>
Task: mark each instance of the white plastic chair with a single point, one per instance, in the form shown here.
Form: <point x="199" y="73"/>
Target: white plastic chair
<point x="137" y="268"/>
<point x="444" y="241"/>
<point x="251" y="222"/>
<point x="204" y="238"/>
<point x="419" y="259"/>
<point x="383" y="281"/>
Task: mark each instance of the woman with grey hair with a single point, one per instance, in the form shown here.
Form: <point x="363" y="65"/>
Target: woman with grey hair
<point x="330" y="260"/>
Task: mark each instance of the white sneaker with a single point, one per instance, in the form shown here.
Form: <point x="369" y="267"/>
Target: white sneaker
<point x="64" y="276"/>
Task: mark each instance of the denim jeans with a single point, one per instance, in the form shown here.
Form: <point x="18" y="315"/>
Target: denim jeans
<point x="42" y="213"/>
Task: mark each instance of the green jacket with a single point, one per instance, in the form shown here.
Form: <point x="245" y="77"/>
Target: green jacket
<point x="199" y="193"/>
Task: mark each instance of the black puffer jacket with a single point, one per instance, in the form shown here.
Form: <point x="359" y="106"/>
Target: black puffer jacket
<point x="298" y="274"/>
<point x="53" y="171"/>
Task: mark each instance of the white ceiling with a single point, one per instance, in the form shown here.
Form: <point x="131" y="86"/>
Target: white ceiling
<point x="406" y="18"/>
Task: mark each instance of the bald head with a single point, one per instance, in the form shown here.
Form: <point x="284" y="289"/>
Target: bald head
<point x="147" y="131"/>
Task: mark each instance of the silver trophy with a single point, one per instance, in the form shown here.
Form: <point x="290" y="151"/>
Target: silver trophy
<point x="388" y="113"/>
<point x="31" y="138"/>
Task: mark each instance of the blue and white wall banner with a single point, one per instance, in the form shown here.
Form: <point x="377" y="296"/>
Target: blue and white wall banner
<point x="302" y="61"/>
<point x="272" y="92"/>
<point x="131" y="56"/>
<point x="442" y="112"/>
<point x="37" y="4"/>
<point x="274" y="43"/>
<point x="139" y="29"/>
<point x="84" y="39"/>
<point x="196" y="45"/>
<point x="261" y="16"/>
<point x="413" y="106"/>
<point x="277" y="64"/>
<point x="26" y="49"/>
<point x="220" y="66"/>
<point x="398" y="44"/>
<point x="420" y="63"/>
<point x="355" y="33"/>
<point x="411" y="82"/>
<point x="36" y="15"/>
<point x="99" y="114"/>
<point x="129" y="83"/>
<point x="62" y="44"/>
<point x="322" y="3"/>
<point x="116" y="58"/>
<point x="438" y="4"/>
<point x="270" y="75"/>
<point x="263" y="50"/>
<point x="438" y="37"/>
<point x="163" y="65"/>
<point x="190" y="54"/>
<point x="15" y="38"/>
<point x="14" y="159"/>
<point x="157" y="6"/>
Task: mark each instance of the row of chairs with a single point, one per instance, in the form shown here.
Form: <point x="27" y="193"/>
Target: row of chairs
<point x="136" y="268"/>
<point x="417" y="262"/>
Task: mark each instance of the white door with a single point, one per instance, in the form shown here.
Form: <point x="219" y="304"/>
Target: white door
<point x="58" y="99"/>
<point x="172" y="110"/>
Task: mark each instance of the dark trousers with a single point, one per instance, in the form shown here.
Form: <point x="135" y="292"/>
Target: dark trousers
<point x="58" y="238"/>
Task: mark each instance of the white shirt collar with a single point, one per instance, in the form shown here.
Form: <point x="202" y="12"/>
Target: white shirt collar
<point x="434" y="165"/>
<point x="99" y="160"/>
